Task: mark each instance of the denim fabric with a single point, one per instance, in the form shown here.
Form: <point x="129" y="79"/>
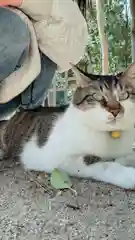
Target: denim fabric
<point x="36" y="93"/>
<point x="14" y="47"/>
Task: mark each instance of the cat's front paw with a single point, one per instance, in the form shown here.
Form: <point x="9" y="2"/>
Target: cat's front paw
<point x="128" y="160"/>
<point x="116" y="174"/>
<point x="126" y="178"/>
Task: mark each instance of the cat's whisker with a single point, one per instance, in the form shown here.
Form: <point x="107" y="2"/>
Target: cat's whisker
<point x="110" y="117"/>
<point x="119" y="116"/>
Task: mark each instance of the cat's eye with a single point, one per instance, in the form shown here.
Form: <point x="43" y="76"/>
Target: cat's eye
<point x="89" y="100"/>
<point x="123" y="96"/>
<point x="132" y="95"/>
<point x="97" y="97"/>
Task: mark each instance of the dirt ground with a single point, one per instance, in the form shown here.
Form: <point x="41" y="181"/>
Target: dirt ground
<point x="100" y="211"/>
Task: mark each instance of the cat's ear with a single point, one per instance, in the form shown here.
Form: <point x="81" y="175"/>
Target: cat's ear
<point x="128" y="76"/>
<point x="81" y="80"/>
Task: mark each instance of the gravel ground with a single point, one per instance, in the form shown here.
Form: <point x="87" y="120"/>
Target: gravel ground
<point x="100" y="211"/>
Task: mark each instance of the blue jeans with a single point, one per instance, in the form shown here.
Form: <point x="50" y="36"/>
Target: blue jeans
<point x="14" y="47"/>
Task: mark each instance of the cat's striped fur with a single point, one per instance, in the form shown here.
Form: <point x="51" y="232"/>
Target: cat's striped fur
<point x="21" y="127"/>
<point x="77" y="138"/>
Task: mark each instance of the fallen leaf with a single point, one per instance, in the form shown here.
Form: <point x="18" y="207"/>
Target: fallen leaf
<point x="60" y="179"/>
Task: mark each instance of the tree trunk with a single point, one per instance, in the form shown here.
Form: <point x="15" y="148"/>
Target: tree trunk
<point x="132" y="9"/>
<point x="102" y="35"/>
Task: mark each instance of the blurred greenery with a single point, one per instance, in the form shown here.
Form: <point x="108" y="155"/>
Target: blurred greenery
<point x="118" y="30"/>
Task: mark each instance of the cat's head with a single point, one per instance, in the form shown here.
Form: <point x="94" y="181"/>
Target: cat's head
<point x="106" y="103"/>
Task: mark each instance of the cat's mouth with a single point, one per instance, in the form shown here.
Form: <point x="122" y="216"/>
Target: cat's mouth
<point x="112" y="121"/>
<point x="114" y="133"/>
<point x="114" y="125"/>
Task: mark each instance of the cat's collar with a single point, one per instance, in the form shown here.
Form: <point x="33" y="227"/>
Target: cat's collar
<point x="115" y="134"/>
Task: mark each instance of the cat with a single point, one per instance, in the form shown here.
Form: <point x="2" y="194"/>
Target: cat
<point x="78" y="138"/>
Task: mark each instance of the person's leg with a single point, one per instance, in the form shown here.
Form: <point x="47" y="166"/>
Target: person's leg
<point x="14" y="41"/>
<point x="36" y="93"/>
<point x="14" y="46"/>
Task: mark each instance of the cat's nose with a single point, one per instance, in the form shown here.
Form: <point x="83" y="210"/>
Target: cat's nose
<point x="115" y="112"/>
<point x="114" y="108"/>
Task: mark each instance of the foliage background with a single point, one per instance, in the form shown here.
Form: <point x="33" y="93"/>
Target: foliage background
<point x="118" y="30"/>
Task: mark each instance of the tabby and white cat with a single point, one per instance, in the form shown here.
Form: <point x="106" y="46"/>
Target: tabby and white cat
<point x="78" y="140"/>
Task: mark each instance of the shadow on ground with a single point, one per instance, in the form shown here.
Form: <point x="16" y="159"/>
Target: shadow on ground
<point x="100" y="211"/>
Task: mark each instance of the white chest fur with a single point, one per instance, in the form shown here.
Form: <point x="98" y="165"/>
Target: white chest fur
<point x="79" y="138"/>
<point x="71" y="137"/>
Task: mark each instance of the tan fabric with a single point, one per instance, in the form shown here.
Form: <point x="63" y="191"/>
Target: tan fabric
<point x="58" y="28"/>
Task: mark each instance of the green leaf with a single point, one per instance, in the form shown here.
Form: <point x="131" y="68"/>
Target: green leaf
<point x="60" y="179"/>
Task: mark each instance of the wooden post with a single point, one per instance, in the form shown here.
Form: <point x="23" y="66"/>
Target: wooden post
<point x="102" y="35"/>
<point x="132" y="10"/>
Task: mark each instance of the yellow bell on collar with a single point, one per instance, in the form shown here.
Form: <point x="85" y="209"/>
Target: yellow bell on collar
<point x="115" y="134"/>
